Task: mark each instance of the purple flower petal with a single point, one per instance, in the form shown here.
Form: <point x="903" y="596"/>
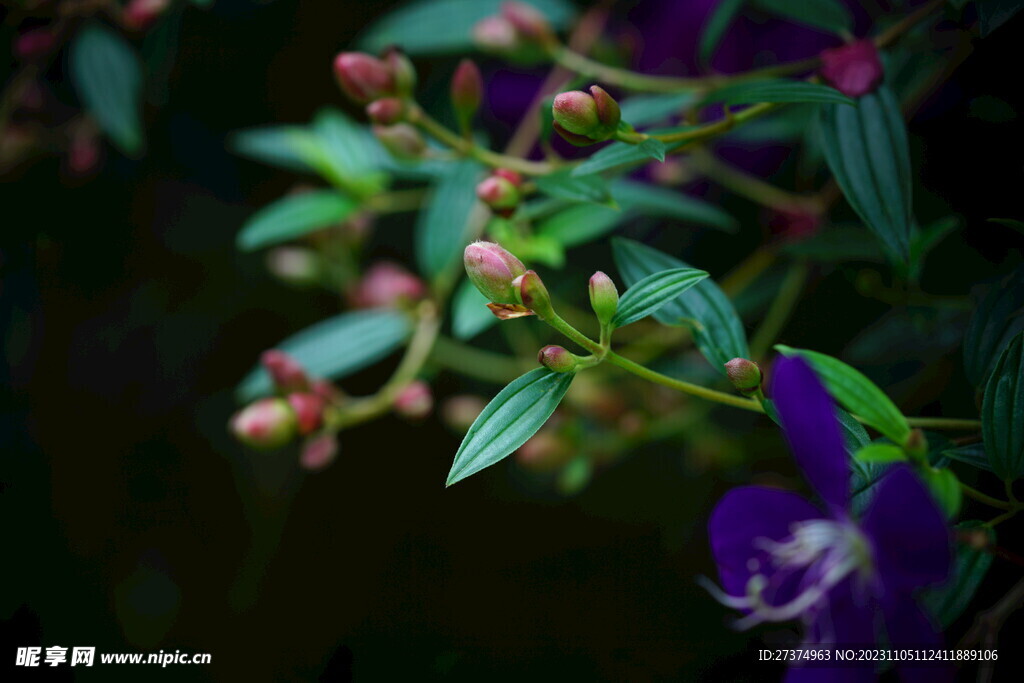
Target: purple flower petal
<point x="909" y="627"/>
<point x="745" y="515"/>
<point x="809" y="421"/>
<point x="909" y="535"/>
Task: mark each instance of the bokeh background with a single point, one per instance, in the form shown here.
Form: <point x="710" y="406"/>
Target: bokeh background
<point x="133" y="522"/>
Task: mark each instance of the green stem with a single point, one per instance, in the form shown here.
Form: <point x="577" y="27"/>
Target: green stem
<point x="397" y="201"/>
<point x="716" y="128"/>
<point x="984" y="498"/>
<point x="951" y="423"/>
<point x="1001" y="518"/>
<point x="780" y="311"/>
<point x="469" y="360"/>
<point x="572" y="333"/>
<point x="749" y="186"/>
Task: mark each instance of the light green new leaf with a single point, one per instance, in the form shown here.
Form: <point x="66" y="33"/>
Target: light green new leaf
<point x="856" y="393"/>
<point x="621" y="154"/>
<point x="336" y="347"/>
<point x="579" y="224"/>
<point x="280" y="146"/>
<point x="107" y="76"/>
<point x="1002" y="412"/>
<point x="830" y="15"/>
<point x="442" y="229"/>
<point x="654" y="291"/>
<point x="996" y="319"/>
<point x="880" y="453"/>
<point x="294" y="216"/>
<point x="512" y="417"/>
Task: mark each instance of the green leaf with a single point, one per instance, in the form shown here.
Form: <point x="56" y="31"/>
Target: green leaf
<point x="717" y="329"/>
<point x="830" y="15"/>
<point x="777" y="90"/>
<point x="293" y="217"/>
<point x="512" y="417"/>
<point x="1009" y="222"/>
<point x="837" y="244"/>
<point x="470" y="315"/>
<point x="994" y="13"/>
<point x="643" y="110"/>
<point x="881" y="453"/>
<point x="275" y="145"/>
<point x="579" y="224"/>
<point x="716" y="25"/>
<point x="442" y="229"/>
<point x="856" y="393"/>
<point x="866" y="148"/>
<point x="336" y="347"/>
<point x="944" y="487"/>
<point x="107" y="76"/>
<point x="970" y="454"/>
<point x="445" y="26"/>
<point x="649" y="294"/>
<point x="650" y="200"/>
<point x="1002" y="412"/>
<point x="620" y="154"/>
<point x="996" y="319"/>
<point x="948" y="601"/>
<point x="588" y="188"/>
<point x="345" y="153"/>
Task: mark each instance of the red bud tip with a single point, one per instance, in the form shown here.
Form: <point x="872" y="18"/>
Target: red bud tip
<point x="309" y="411"/>
<point x="854" y="69"/>
<point x="557" y="358"/>
<point x="285" y="372"/>
<point x="497" y="193"/>
<point x="318" y="452"/>
<point x="387" y="285"/>
<point x="362" y="77"/>
<point x="267" y="423"/>
<point x="604" y="297"/>
<point x="509" y="175"/>
<point x="415" y="401"/>
<point x="527" y="20"/>
<point x="386" y="111"/>
<point x="495" y="34"/>
<point x="467" y="89"/>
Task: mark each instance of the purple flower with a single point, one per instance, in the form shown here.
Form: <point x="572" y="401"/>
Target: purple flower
<point x="781" y="558"/>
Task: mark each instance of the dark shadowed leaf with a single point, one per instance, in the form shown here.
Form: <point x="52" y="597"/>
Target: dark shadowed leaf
<point x="644" y="110"/>
<point x="621" y="154"/>
<point x="830" y="15"/>
<point x="293" y="217"/>
<point x="1002" y="412"/>
<point x="442" y="229"/>
<point x="564" y="185"/>
<point x="777" y="90"/>
<point x="997" y="317"/>
<point x="716" y="25"/>
<point x="948" y="601"/>
<point x="651" y="200"/>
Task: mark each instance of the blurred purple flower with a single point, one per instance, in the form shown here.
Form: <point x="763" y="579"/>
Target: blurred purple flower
<point x="781" y="558"/>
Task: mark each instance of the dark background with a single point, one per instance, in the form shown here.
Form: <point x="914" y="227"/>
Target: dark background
<point x="134" y="522"/>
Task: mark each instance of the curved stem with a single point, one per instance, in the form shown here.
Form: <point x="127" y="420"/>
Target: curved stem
<point x="984" y="498"/>
<point x="723" y="125"/>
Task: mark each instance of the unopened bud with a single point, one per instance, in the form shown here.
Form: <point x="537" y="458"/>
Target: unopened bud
<point x="853" y="69"/>
<point x="139" y="15"/>
<point x="917" y="445"/>
<point x="509" y="175"/>
<point x="386" y="111"/>
<point x="267" y="423"/>
<point x="744" y="374"/>
<point x="492" y="269"/>
<point x="402" y="71"/>
<point x="387" y="285"/>
<point x="309" y="411"/>
<point x="34" y="44"/>
<point x="319" y="451"/>
<point x="557" y="358"/>
<point x="401" y="140"/>
<point x="467" y="91"/>
<point x="583" y="118"/>
<point x="415" y="401"/>
<point x="295" y="265"/>
<point x="533" y="294"/>
<point x="498" y="193"/>
<point x="496" y="34"/>
<point x="362" y="77"/>
<point x="285" y="372"/>
<point x="604" y="297"/>
<point x="528" y="21"/>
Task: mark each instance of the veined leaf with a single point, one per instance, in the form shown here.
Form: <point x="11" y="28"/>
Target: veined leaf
<point x="970" y="454"/>
<point x="777" y="90"/>
<point x="830" y="15"/>
<point x="564" y="185"/>
<point x="1002" y="412"/>
<point x="620" y="154"/>
<point x="293" y="217"/>
<point x="866" y="148"/>
<point x="716" y="25"/>
<point x="442" y="229"/>
<point x="970" y="564"/>
<point x="512" y="417"/>
<point x="717" y="330"/>
<point x="470" y="315"/>
<point x="994" y="13"/>
<point x="579" y="224"/>
<point x="996" y="319"/>
<point x="654" y="291"/>
<point x="651" y="200"/>
<point x="107" y="76"/>
<point x="336" y="347"/>
<point x="856" y="393"/>
<point x="644" y="110"/>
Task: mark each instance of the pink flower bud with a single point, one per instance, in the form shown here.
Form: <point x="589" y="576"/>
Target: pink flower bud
<point x="415" y="401"/>
<point x="604" y="297"/>
<point x="467" y="90"/>
<point x="34" y="44"/>
<point x="557" y="358"/>
<point x="492" y="270"/>
<point x="459" y="412"/>
<point x="852" y="69"/>
<point x="386" y="111"/>
<point x="496" y="34"/>
<point x="509" y="175"/>
<point x="387" y="285"/>
<point x="583" y="118"/>
<point x="401" y="140"/>
<point x="285" y="372"/>
<point x="498" y="193"/>
<point x="84" y="151"/>
<point x="402" y="70"/>
<point x="533" y="294"/>
<point x="745" y="375"/>
<point x="267" y="423"/>
<point x="139" y="15"/>
<point x="527" y="20"/>
<point x="297" y="265"/>
<point x="318" y="452"/>
<point x="309" y="411"/>
<point x="362" y="77"/>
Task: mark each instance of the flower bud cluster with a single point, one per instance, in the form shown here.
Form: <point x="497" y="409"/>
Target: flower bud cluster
<point x="517" y="31"/>
<point x="584" y="119"/>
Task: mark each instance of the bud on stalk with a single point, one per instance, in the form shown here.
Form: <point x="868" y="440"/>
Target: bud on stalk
<point x="492" y="270"/>
<point x="401" y="140"/>
<point x="557" y="358"/>
<point x="285" y="372"/>
<point x="604" y="297"/>
<point x="584" y="119"/>
<point x="496" y="34"/>
<point x="498" y="193"/>
<point x="386" y="111"/>
<point x="319" y="451"/>
<point x="267" y="423"/>
<point x="467" y="92"/>
<point x="528" y="22"/>
<point x="364" y="78"/>
<point x="309" y="411"/>
<point x="402" y="71"/>
<point x="533" y="294"/>
<point x="745" y="375"/>
<point x="415" y="401"/>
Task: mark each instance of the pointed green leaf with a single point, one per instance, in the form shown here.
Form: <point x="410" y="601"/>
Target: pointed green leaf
<point x="716" y="25"/>
<point x="443" y="228"/>
<point x="654" y="291"/>
<point x="512" y="417"/>
<point x="564" y="185"/>
<point x="470" y="315"/>
<point x="948" y="601"/>
<point x="1002" y="412"/>
<point x="994" y="13"/>
<point x="650" y="200"/>
<point x="294" y="216"/>
<point x="336" y="347"/>
<point x="717" y="330"/>
<point x="997" y="318"/>
<point x="579" y="224"/>
<point x="856" y="393"/>
<point x="944" y="487"/>
<point x="881" y="453"/>
<point x="275" y="145"/>
<point x="866" y="148"/>
<point x="777" y="90"/>
<point x="621" y="154"/>
<point x="970" y="454"/>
